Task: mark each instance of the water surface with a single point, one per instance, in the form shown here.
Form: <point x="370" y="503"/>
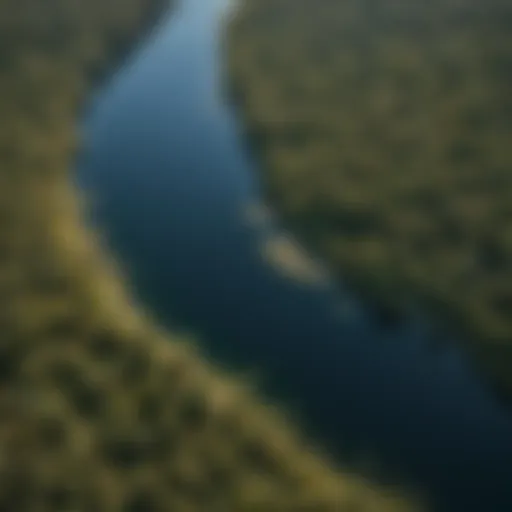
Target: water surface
<point x="173" y="180"/>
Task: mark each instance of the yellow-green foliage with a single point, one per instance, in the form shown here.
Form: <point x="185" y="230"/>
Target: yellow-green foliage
<point x="385" y="129"/>
<point x="99" y="410"/>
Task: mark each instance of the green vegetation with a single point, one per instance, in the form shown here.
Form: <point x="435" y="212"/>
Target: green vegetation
<point x="384" y="127"/>
<point x="99" y="410"/>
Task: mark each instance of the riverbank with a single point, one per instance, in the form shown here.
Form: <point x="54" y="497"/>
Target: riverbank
<point x="101" y="409"/>
<point x="382" y="132"/>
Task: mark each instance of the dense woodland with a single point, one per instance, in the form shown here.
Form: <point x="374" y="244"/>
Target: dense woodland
<point x="385" y="130"/>
<point x="99" y="410"/>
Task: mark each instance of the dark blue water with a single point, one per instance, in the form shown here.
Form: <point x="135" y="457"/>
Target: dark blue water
<point x="172" y="179"/>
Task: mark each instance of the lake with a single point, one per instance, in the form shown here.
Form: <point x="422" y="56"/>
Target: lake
<point x="174" y="182"/>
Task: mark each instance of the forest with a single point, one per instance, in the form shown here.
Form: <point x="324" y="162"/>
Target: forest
<point x="384" y="128"/>
<point x="99" y="409"/>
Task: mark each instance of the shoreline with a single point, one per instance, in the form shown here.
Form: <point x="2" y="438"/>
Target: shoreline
<point x="125" y="413"/>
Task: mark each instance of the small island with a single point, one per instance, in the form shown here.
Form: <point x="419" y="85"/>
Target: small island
<point x="289" y="258"/>
<point x="99" y="409"/>
<point x="383" y="129"/>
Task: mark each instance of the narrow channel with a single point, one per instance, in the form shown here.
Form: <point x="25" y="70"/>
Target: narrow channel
<point x="174" y="184"/>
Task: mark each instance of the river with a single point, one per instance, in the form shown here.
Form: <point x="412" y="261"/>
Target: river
<point x="173" y="181"/>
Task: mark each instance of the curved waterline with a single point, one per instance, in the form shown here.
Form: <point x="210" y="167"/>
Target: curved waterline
<point x="168" y="155"/>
